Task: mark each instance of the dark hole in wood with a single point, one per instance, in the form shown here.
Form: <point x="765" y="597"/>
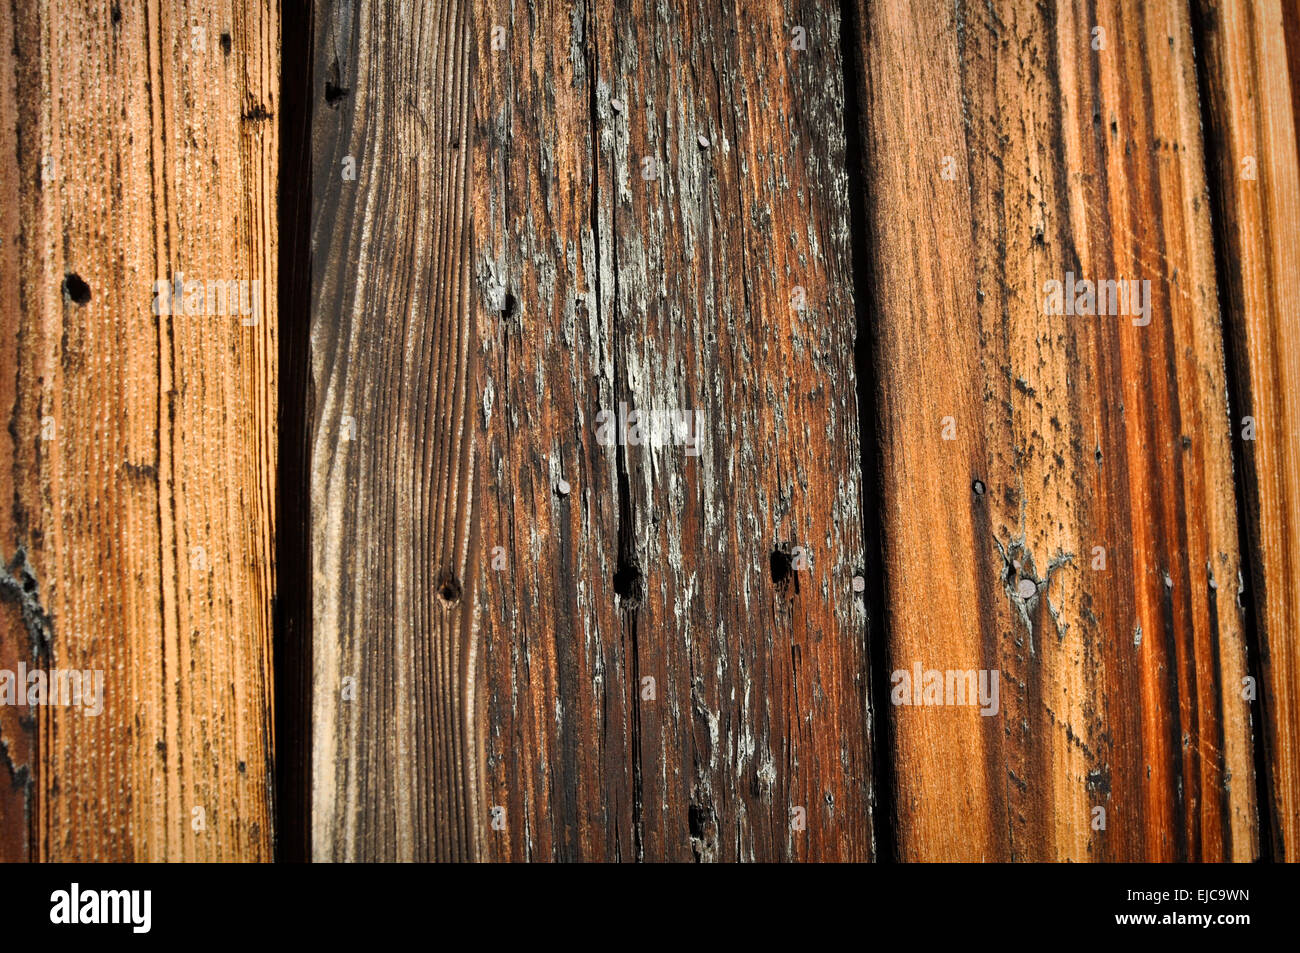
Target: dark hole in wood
<point x="77" y="290"/>
<point x="627" y="582"/>
<point x="508" y="306"/>
<point x="225" y="43"/>
<point x="334" y="94"/>
<point x="696" y="820"/>
<point x="782" y="566"/>
<point x="115" y="14"/>
<point x="978" y="487"/>
<point x="334" y="88"/>
<point x="449" y="589"/>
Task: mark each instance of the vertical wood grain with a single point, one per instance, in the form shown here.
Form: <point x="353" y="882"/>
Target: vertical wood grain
<point x="138" y="486"/>
<point x="502" y="637"/>
<point x="1120" y="687"/>
<point x="599" y="285"/>
<point x="1250" y="126"/>
<point x="394" y="752"/>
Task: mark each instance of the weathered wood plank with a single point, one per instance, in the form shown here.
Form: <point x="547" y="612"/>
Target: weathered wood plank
<point x="652" y="188"/>
<point x="1119" y="687"/>
<point x="1256" y="177"/>
<point x="137" y="145"/>
<point x="393" y="750"/>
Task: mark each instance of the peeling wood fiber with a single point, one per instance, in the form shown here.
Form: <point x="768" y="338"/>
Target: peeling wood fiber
<point x="652" y="193"/>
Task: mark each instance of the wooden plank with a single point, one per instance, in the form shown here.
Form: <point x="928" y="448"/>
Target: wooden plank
<point x="1255" y="178"/>
<point x="1119" y="687"/>
<point x="137" y="145"/>
<point x="393" y="751"/>
<point x="607" y="281"/>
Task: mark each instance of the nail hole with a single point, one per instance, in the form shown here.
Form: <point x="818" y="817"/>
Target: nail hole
<point x="700" y="819"/>
<point x="449" y="590"/>
<point x="782" y="565"/>
<point x="76" y="290"/>
<point x="334" y="88"/>
<point x="978" y="487"/>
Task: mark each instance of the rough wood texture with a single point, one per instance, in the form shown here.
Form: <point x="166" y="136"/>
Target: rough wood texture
<point x="138" y="483"/>
<point x="512" y="623"/>
<point x="394" y="760"/>
<point x="1120" y="688"/>
<point x="1252" y="149"/>
<point x="599" y="286"/>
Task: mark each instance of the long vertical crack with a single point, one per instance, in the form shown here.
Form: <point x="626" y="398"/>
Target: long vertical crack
<point x="292" y="606"/>
<point x="628" y="585"/>
<point x="883" y="806"/>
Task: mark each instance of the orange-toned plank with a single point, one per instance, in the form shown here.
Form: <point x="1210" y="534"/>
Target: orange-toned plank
<point x="137" y="145"/>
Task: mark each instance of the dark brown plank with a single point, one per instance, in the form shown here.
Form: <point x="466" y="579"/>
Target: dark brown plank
<point x="600" y="286"/>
